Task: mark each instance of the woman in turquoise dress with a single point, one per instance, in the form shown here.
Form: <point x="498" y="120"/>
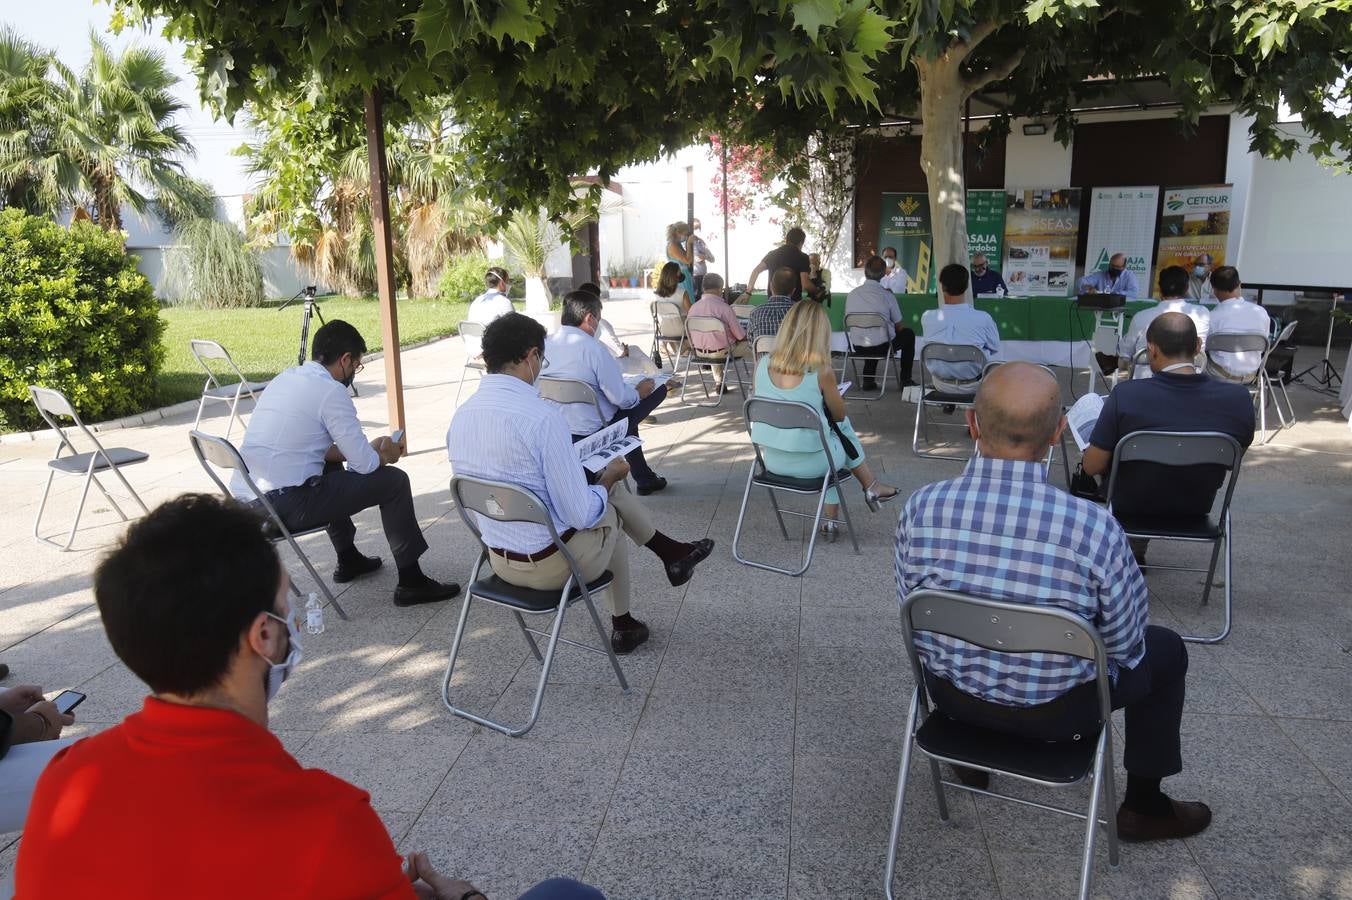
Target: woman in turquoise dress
<point x="800" y="369"/>
<point x="681" y="251"/>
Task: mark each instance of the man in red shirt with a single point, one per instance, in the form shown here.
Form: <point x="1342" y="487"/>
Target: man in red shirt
<point x="193" y="795"/>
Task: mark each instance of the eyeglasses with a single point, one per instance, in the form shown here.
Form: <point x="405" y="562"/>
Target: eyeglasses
<point x="544" y="362"/>
<point x="358" y="370"/>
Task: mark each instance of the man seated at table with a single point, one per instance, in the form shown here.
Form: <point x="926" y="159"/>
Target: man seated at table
<point x="986" y="282"/>
<point x="193" y="795"/>
<point x="895" y="279"/>
<point x="733" y="336"/>
<point x="1116" y="279"/>
<point x="1235" y="315"/>
<point x="1002" y="532"/>
<point x="790" y="253"/>
<point x="1176" y="398"/>
<point x="958" y="322"/>
<point x="574" y="352"/>
<point x="766" y="318"/>
<point x="505" y="432"/>
<point x="1174" y="289"/>
<point x="878" y="341"/>
<point x="1200" y="287"/>
<point x="302" y="431"/>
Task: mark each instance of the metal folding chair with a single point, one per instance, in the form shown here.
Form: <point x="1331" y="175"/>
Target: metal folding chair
<point x="566" y="391"/>
<point x="471" y="335"/>
<point x="507" y="503"/>
<point x="1258" y="382"/>
<point x="52" y="405"/>
<point x="1015" y="628"/>
<point x="931" y="395"/>
<point x="707" y="360"/>
<point x="215" y="389"/>
<point x="852" y="357"/>
<point x="218" y="453"/>
<point x="790" y="414"/>
<point x="668" y="329"/>
<point x="765" y="343"/>
<point x="1175" y="449"/>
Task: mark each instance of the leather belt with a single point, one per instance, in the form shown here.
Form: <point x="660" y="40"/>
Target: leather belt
<point x="546" y="553"/>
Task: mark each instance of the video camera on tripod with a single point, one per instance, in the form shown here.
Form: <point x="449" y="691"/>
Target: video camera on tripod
<point x="309" y="307"/>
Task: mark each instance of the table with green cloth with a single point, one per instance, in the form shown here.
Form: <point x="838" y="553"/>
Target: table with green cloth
<point x="1047" y="330"/>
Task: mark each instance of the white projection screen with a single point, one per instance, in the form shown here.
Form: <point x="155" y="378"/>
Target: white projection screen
<point x="1297" y="225"/>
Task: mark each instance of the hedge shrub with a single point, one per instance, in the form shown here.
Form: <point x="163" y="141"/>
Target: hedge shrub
<point x="75" y="315"/>
<point x="463" y="278"/>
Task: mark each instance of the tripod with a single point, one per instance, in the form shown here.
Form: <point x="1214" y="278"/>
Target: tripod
<point x="1323" y="371"/>
<point x="309" y="307"/>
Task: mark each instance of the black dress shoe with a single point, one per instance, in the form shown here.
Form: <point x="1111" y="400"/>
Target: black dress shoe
<point x="4" y="671"/>
<point x="429" y="591"/>
<point x="679" y="572"/>
<point x="908" y="381"/>
<point x="627" y="640"/>
<point x="868" y="385"/>
<point x="355" y="567"/>
<point x="652" y="487"/>
<point x="1184" y="820"/>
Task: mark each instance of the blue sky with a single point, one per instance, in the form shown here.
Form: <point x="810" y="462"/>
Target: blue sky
<point x="64" y="26"/>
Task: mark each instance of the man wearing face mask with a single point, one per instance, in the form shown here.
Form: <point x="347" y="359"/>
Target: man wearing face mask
<point x="1199" y="279"/>
<point x="1116" y="279"/>
<point x="302" y="433"/>
<point x="193" y="795"/>
<point x="894" y="278"/>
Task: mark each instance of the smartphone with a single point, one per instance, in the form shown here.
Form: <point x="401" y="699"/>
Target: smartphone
<point x="398" y="436"/>
<point x="68" y="700"/>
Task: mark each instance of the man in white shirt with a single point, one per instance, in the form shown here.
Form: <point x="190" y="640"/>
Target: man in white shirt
<point x="1235" y="315"/>
<point x="302" y="431"/>
<point x="957" y="322"/>
<point x="895" y="278"/>
<point x="1174" y="290"/>
<point x="632" y="360"/>
<point x="493" y="302"/>
<point x="573" y="352"/>
<point x="505" y="432"/>
<point x="872" y="297"/>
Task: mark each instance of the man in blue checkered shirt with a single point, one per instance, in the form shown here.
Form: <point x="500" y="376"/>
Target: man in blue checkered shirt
<point x="1000" y="531"/>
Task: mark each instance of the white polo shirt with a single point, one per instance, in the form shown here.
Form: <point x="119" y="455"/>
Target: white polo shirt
<point x="1240" y="316"/>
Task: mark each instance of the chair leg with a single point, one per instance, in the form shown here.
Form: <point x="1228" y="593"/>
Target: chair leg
<point x="849" y="523"/>
<point x="899" y="802"/>
<point x="37" y="520"/>
<point x="1262" y="409"/>
<point x="1091" y="821"/>
<point x="741" y="514"/>
<point x="309" y="567"/>
<point x="201" y="405"/>
<point x="234" y="413"/>
<point x="1110" y="799"/>
<point x="109" y="497"/>
<point x="1228" y="600"/>
<point x="79" y="511"/>
<point x="530" y="638"/>
<point x="919" y="408"/>
<point x="127" y="484"/>
<point x="779" y="516"/>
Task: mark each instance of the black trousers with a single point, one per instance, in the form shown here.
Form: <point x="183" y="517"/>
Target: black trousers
<point x="638" y="463"/>
<point x="1152" y="694"/>
<point x="904" y="341"/>
<point x="331" y="499"/>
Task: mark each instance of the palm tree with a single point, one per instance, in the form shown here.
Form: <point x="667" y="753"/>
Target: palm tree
<point x="104" y="138"/>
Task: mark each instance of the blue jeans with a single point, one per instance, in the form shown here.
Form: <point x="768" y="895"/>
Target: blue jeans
<point x="562" y="889"/>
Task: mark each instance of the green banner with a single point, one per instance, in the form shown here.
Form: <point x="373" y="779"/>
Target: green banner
<point x="905" y="226"/>
<point x="986" y="225"/>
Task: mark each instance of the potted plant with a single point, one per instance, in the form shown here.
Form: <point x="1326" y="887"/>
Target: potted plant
<point x="613" y="270"/>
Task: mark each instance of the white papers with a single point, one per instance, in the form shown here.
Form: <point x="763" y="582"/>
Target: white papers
<point x="595" y="450"/>
<point x="1082" y="416"/>
<point x="844" y="386"/>
<point x="659" y="379"/>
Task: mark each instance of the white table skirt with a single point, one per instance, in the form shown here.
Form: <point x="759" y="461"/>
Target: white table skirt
<point x="1073" y="354"/>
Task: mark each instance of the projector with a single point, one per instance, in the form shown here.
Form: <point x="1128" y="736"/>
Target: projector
<point x="1101" y="301"/>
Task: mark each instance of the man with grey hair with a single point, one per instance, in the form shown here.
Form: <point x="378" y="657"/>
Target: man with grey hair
<point x="1002" y="532"/>
<point x="732" y="338"/>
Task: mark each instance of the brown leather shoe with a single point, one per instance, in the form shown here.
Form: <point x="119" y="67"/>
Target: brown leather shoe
<point x="1189" y="818"/>
<point x="973" y="778"/>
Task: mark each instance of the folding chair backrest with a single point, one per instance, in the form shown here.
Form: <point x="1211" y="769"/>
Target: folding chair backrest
<point x="705" y="325"/>
<point x="567" y="390"/>
<point x="215" y="452"/>
<point x="1178" y="448"/>
<point x="203" y="350"/>
<point x="1286" y="332"/>
<point x="743" y="310"/>
<point x="1002" y="627"/>
<point x="667" y="317"/>
<point x="781" y="413"/>
<point x="1233" y="342"/>
<point x="765" y="343"/>
<point x="952" y="353"/>
<point x="51" y="403"/>
<point x="468" y="330"/>
<point x="501" y="502"/>
<point x="864" y="320"/>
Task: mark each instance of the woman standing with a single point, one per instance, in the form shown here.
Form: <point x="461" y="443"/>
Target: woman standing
<point x="800" y="369"/>
<point x="681" y="251"/>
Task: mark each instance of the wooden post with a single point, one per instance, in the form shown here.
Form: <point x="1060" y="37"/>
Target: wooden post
<point x="380" y="227"/>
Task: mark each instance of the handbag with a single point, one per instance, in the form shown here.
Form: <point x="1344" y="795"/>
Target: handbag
<point x="851" y="452"/>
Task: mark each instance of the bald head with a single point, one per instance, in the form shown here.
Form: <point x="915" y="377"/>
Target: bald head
<point x="1018" y="411"/>
<point x="1171" y="338"/>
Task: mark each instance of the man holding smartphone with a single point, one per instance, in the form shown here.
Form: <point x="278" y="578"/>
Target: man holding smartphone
<point x="193" y="795"/>
<point x="30" y="725"/>
<point x="305" y="448"/>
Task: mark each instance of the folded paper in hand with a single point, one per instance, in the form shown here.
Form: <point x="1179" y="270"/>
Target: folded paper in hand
<point x="659" y="379"/>
<point x="595" y="450"/>
<point x="1081" y="418"/>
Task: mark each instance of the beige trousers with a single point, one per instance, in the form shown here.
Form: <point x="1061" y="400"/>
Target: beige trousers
<point x="596" y="549"/>
<point x="739" y="350"/>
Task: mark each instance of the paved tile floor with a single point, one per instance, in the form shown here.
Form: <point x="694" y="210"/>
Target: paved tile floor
<point x="756" y="754"/>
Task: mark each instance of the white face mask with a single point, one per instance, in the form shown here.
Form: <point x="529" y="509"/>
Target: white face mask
<point x="889" y="262"/>
<point x="278" y="672"/>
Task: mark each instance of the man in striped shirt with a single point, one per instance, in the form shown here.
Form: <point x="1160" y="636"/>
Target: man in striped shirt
<point x="1000" y="531"/>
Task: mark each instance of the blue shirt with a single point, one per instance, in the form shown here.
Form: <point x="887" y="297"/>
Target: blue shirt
<point x="988" y="282"/>
<point x="959" y="323"/>
<point x="574" y="354"/>
<point x="1001" y="532"/>
<point x="1172" y="401"/>
<point x="1124" y="284"/>
<point x="506" y="432"/>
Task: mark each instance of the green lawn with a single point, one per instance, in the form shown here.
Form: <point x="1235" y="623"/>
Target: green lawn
<point x="265" y="341"/>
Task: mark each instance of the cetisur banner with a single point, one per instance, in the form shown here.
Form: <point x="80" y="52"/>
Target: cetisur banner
<point x="905" y="226"/>
<point x="1195" y="220"/>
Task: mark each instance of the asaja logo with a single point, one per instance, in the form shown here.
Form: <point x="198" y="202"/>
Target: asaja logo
<point x="1174" y="205"/>
<point x="910" y="205"/>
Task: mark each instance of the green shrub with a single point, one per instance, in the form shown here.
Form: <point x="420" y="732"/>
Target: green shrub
<point x="75" y="315"/>
<point x="463" y="278"/>
<point x="211" y="267"/>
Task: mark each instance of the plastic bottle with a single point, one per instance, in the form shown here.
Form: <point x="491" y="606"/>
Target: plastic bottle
<point x="314" y="615"/>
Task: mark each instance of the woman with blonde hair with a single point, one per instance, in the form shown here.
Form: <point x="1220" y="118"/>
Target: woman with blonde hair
<point x="800" y="369"/>
<point x="681" y="251"/>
